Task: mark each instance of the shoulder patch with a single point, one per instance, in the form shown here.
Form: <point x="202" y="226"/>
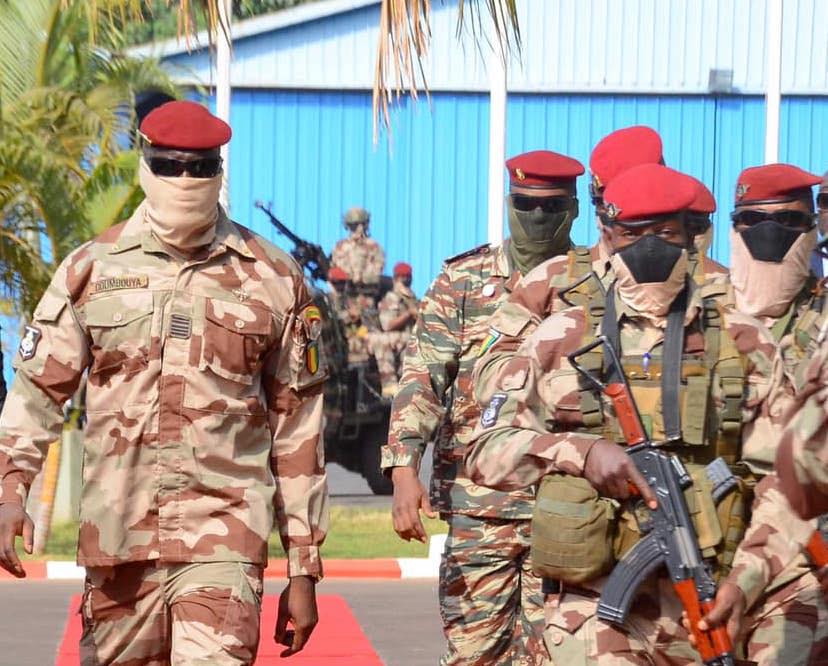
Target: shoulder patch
<point x="29" y="342"/>
<point x="480" y="249"/>
<point x="490" y="414"/>
<point x="312" y="318"/>
<point x="491" y="338"/>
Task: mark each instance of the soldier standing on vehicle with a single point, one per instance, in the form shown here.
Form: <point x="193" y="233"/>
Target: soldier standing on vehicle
<point x="204" y="408"/>
<point x="681" y="353"/>
<point x="490" y="602"/>
<point x="397" y="314"/>
<point x="359" y="255"/>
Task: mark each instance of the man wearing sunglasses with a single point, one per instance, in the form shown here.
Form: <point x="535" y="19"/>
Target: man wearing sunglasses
<point x="490" y="602"/>
<point x="772" y="240"/>
<point x="359" y="255"/>
<point x="204" y="415"/>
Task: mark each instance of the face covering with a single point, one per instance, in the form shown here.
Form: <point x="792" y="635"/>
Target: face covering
<point x="769" y="266"/>
<point x="537" y="236"/>
<point x="358" y="231"/>
<point x="181" y="211"/>
<point x="704" y="240"/>
<point x="649" y="274"/>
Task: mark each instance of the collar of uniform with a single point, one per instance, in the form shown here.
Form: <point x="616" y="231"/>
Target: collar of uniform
<point x="694" y="305"/>
<point x="131" y="235"/>
<point x="227" y="235"/>
<point x="500" y="260"/>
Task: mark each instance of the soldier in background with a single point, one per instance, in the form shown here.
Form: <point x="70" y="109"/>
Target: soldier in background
<point x="359" y="255"/>
<point x="204" y="417"/>
<point x="397" y="314"/>
<point x="490" y="601"/>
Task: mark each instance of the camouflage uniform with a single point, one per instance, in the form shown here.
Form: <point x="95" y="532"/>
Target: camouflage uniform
<point x="361" y="258"/>
<point x="537" y="427"/>
<point x="204" y="406"/>
<point x="488" y="595"/>
<point x="388" y="345"/>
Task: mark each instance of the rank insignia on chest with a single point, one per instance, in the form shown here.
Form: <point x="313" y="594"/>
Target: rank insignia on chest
<point x="120" y="282"/>
<point x="28" y="345"/>
<point x="490" y="414"/>
<point x="493" y="337"/>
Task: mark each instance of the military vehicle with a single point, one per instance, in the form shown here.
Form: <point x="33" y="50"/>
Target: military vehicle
<point x="356" y="414"/>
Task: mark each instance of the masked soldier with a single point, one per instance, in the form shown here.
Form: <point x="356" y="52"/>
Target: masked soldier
<point x="360" y="256"/>
<point x="543" y="425"/>
<point x="204" y="408"/>
<point x="704" y="269"/>
<point x="772" y="240"/>
<point x="490" y="601"/>
<point x="397" y="314"/>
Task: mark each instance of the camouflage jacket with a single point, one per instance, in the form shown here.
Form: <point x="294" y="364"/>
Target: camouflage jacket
<point x="435" y="400"/>
<point x="361" y="258"/>
<point x="395" y="303"/>
<point x="802" y="458"/>
<point x="204" y="400"/>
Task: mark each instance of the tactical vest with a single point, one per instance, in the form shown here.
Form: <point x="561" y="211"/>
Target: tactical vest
<point x="808" y="326"/>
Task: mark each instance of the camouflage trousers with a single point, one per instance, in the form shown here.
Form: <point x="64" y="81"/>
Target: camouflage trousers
<point x="491" y="603"/>
<point x="387" y="347"/>
<point x="789" y="626"/>
<point x="653" y="633"/>
<point x="175" y="614"/>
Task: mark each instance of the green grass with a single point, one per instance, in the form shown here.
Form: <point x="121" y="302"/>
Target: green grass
<point x="355" y="533"/>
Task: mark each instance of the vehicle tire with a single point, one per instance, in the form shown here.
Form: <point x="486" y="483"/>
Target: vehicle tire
<point x="377" y="481"/>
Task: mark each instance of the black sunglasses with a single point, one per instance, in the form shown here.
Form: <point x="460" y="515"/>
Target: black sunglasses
<point x="822" y="200"/>
<point x="206" y="167"/>
<point x="787" y="218"/>
<point x="554" y="204"/>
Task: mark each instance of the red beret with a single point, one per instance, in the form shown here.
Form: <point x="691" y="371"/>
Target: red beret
<point x="543" y="168"/>
<point x="621" y="150"/>
<point x="772" y="182"/>
<point x="185" y="126"/>
<point x="704" y="202"/>
<point x="336" y="274"/>
<point x="647" y="191"/>
<point x="402" y="268"/>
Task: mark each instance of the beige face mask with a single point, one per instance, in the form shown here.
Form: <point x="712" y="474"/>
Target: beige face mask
<point x="704" y="241"/>
<point x="650" y="299"/>
<point x="767" y="288"/>
<point x="181" y="211"/>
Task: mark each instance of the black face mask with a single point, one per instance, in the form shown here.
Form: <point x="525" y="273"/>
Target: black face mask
<point x="650" y="258"/>
<point x="770" y="241"/>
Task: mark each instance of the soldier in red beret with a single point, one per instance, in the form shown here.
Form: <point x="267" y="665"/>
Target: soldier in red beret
<point x="490" y="601"/>
<point x="773" y="582"/>
<point x="204" y="417"/>
<point x="544" y="428"/>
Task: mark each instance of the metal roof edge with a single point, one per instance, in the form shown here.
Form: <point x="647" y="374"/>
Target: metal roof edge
<point x="254" y="26"/>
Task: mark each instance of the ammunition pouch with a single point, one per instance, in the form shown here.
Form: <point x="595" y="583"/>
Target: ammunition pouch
<point x="572" y="530"/>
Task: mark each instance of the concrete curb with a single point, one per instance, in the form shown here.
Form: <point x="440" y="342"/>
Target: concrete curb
<point x="380" y="568"/>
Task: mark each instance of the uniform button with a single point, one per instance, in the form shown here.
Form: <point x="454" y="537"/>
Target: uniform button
<point x="557" y="637"/>
<point x="488" y="290"/>
<point x="117" y="316"/>
<point x="239" y="323"/>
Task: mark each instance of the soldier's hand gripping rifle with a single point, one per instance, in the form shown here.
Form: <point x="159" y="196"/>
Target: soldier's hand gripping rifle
<point x="668" y="535"/>
<point x="308" y="255"/>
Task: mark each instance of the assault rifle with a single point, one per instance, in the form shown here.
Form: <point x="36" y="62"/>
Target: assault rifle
<point x="308" y="255"/>
<point x="668" y="535"/>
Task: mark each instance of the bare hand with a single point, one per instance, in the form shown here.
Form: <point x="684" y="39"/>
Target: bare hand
<point x="611" y="471"/>
<point x="729" y="607"/>
<point x="297" y="605"/>
<point x="14" y="522"/>
<point x="410" y="497"/>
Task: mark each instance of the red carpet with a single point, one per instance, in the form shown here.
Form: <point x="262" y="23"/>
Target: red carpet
<point x="337" y="640"/>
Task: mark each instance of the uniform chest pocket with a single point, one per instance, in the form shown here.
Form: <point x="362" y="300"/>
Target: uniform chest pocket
<point x="234" y="340"/>
<point x="120" y="329"/>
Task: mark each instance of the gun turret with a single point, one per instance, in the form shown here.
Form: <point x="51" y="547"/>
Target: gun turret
<point x="308" y="255"/>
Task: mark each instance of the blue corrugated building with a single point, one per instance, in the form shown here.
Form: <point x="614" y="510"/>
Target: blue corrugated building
<point x="692" y="69"/>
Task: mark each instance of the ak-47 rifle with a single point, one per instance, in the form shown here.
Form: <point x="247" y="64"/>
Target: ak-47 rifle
<point x="308" y="255"/>
<point x="668" y="535"/>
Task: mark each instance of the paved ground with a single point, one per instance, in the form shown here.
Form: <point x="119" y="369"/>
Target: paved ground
<point x="399" y="617"/>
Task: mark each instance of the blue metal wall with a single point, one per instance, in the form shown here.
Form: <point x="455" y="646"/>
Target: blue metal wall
<point x="311" y="153"/>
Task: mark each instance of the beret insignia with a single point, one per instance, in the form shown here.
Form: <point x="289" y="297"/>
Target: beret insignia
<point x="742" y="190"/>
<point x="520" y="175"/>
<point x="612" y="211"/>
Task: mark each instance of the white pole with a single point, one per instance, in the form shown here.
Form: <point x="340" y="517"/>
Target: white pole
<point x="497" y="140"/>
<point x="773" y="87"/>
<point x="223" y="89"/>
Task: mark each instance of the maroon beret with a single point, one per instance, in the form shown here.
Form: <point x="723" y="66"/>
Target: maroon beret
<point x="772" y="183"/>
<point x="185" y="126"/>
<point x="648" y="191"/>
<point x="543" y="168"/>
<point x="402" y="268"/>
<point x="704" y="202"/>
<point x="336" y="274"/>
<point x="621" y="150"/>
